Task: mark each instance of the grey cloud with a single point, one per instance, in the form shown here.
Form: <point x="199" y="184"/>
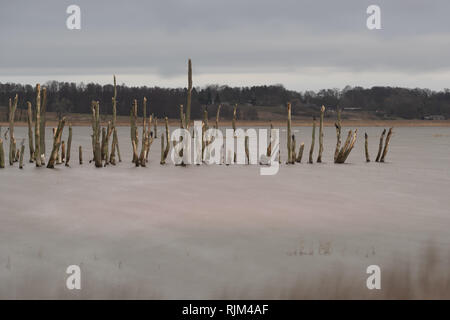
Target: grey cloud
<point x="223" y="37"/>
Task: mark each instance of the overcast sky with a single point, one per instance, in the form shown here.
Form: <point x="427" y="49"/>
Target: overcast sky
<point x="304" y="45"/>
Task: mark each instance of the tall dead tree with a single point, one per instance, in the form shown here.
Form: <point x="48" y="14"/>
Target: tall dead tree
<point x="289" y="134"/>
<point x="96" y="134"/>
<point x="115" y="140"/>
<point x="37" y="128"/>
<point x="30" y="131"/>
<point x="42" y="122"/>
<point x="12" y="112"/>
<point x="380" y="147"/>
<point x="322" y="112"/>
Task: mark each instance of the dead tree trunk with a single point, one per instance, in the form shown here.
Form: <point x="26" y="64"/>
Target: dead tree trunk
<point x="30" y="131"/>
<point x="289" y="134"/>
<point x="133" y="132"/>
<point x="69" y="145"/>
<point x="22" y="151"/>
<point x="165" y="149"/>
<point x="386" y="145"/>
<point x="347" y="148"/>
<point x="338" y="134"/>
<point x="42" y="124"/>
<point x="12" y="111"/>
<point x="322" y="112"/>
<point x="56" y="143"/>
<point x="311" y="150"/>
<point x="366" y="147"/>
<point x="63" y="152"/>
<point x="300" y="153"/>
<point x="380" y="147"/>
<point x="37" y="128"/>
<point x="96" y="133"/>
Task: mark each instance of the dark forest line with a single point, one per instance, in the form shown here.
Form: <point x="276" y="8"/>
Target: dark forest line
<point x="382" y="102"/>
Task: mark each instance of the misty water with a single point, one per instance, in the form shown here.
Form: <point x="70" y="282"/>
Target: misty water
<point x="226" y="231"/>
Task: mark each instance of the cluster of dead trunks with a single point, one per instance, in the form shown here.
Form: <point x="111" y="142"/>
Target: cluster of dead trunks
<point x="59" y="153"/>
<point x="103" y="155"/>
<point x="341" y="153"/>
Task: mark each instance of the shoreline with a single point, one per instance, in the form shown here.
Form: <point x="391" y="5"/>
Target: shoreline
<point x="276" y="123"/>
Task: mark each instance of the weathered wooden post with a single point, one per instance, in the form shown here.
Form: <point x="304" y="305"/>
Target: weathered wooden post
<point x="322" y="112"/>
<point x="247" y="151"/>
<point x="37" y="128"/>
<point x="380" y="147"/>
<point x="96" y="134"/>
<point x="300" y="153"/>
<point x="133" y="132"/>
<point x="338" y="134"/>
<point x="366" y="147"/>
<point x="22" y="151"/>
<point x="386" y="145"/>
<point x="165" y="149"/>
<point x="115" y="143"/>
<point x="311" y="150"/>
<point x="289" y="134"/>
<point x="56" y="143"/>
<point x="12" y="111"/>
<point x="293" y="146"/>
<point x="234" y="127"/>
<point x="63" y="153"/>
<point x="30" y="131"/>
<point x="42" y="124"/>
<point x="69" y="145"/>
<point x="155" y="133"/>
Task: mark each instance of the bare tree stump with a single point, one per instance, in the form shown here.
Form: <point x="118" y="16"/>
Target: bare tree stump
<point x="311" y="150"/>
<point x="300" y="153"/>
<point x="69" y="145"/>
<point x="322" y="112"/>
<point x="80" y="155"/>
<point x="22" y="151"/>
<point x="366" y="147"/>
<point x="338" y="134"/>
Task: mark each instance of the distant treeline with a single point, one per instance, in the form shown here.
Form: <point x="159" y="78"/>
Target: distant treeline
<point x="385" y="102"/>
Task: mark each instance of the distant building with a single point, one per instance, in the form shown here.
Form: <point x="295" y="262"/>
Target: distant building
<point x="434" y="117"/>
